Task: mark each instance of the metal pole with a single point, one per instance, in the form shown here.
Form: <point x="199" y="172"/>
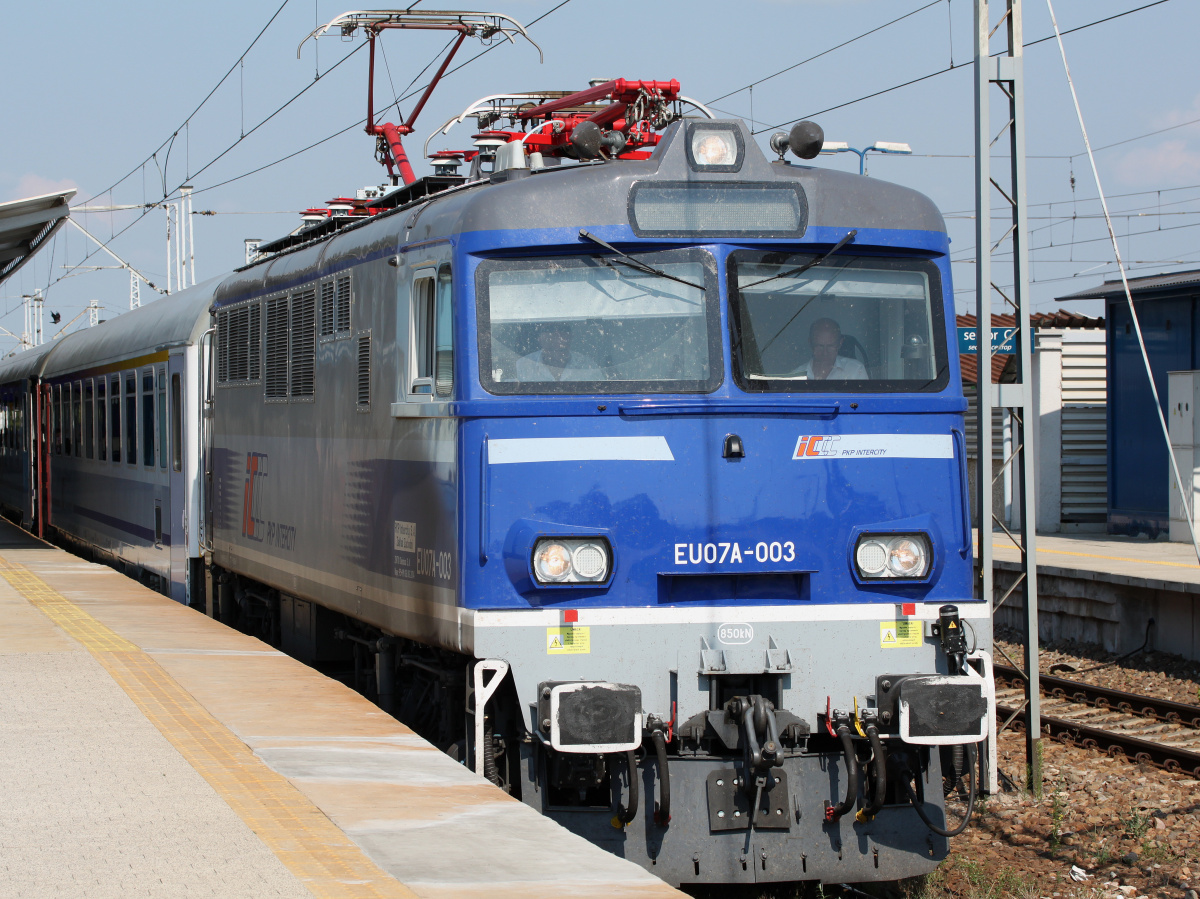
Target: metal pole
<point x="191" y="233"/>
<point x="179" y="238"/>
<point x="1006" y="70"/>
<point x="167" y="210"/>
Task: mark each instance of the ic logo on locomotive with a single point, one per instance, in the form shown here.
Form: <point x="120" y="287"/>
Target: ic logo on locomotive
<point x="815" y="445"/>
<point x="735" y="634"/>
<point x="252" y="522"/>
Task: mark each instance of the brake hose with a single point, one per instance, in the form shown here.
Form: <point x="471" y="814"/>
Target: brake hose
<point x="834" y="812"/>
<point x="941" y="832"/>
<point x="662" y="815"/>
<point x="625" y="814"/>
<point x="880" y="768"/>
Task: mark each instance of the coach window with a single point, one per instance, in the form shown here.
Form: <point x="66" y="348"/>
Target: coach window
<point x="56" y="415"/>
<point x="162" y="419"/>
<point x="67" y="424"/>
<point x="131" y="418"/>
<point x="421" y="346"/>
<point x="102" y="419"/>
<point x="443" y="361"/>
<point x="114" y="423"/>
<point x="176" y="424"/>
<point x="148" y="417"/>
<point x="89" y="421"/>
<point x="77" y="416"/>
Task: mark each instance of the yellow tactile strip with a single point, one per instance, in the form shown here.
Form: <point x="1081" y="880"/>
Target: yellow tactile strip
<point x="311" y="846"/>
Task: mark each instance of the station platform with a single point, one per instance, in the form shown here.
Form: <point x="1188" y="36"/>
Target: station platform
<point x="1104" y="590"/>
<point x="146" y="750"/>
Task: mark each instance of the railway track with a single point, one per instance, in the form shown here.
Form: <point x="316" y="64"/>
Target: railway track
<point x="1141" y="728"/>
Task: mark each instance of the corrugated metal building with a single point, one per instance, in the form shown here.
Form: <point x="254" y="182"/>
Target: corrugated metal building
<point x="1069" y="389"/>
<point x="1168" y="309"/>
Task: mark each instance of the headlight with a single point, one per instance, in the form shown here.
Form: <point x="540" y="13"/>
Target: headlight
<point x="552" y="562"/>
<point x="906" y="558"/>
<point x="892" y="556"/>
<point x="571" y="561"/>
<point x="714" y="147"/>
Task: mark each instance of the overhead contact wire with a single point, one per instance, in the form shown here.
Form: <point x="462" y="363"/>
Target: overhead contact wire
<point x="1137" y="327"/>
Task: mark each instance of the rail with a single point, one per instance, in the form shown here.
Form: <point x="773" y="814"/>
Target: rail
<point x="1135" y="747"/>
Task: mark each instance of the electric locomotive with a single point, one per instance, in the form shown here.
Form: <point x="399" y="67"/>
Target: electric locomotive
<point x="629" y="468"/>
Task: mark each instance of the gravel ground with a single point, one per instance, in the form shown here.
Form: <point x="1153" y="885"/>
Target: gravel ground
<point x="1128" y="830"/>
<point x="1131" y="830"/>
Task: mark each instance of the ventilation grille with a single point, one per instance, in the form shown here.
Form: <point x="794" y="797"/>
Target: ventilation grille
<point x="277" y="343"/>
<point x="253" y="337"/>
<point x="364" y="371"/>
<point x="343" y="305"/>
<point x="238" y="340"/>
<point x="328" y="314"/>
<point x="303" y="343"/>
<point x="222" y="347"/>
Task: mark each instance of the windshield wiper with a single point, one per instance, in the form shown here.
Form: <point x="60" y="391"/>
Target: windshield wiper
<point x="637" y="264"/>
<point x="803" y="268"/>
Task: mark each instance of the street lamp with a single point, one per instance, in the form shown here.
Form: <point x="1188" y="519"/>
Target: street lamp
<point x="828" y="148"/>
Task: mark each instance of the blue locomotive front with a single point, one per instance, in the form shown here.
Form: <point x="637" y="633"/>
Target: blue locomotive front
<point x="712" y="512"/>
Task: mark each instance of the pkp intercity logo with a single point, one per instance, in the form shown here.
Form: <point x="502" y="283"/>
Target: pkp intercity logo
<point x="815" y="446"/>
<point x="252" y="522"/>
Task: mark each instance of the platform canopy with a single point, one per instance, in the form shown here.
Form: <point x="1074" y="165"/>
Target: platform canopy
<point x="25" y="225"/>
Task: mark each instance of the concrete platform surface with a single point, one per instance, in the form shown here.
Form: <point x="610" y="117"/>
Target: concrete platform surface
<point x="1156" y="564"/>
<point x="1121" y="593"/>
<point x="146" y="750"/>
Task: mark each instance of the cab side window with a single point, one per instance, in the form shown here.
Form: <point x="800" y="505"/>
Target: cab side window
<point x="443" y="363"/>
<point x="421" y="345"/>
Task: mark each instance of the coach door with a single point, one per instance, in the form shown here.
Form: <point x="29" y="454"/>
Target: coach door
<point x="172" y="392"/>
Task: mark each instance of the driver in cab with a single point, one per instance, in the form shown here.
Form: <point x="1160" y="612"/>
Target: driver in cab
<point x="825" y="338"/>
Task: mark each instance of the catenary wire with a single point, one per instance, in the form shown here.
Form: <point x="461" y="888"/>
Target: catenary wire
<point x="952" y="67"/>
<point x="199" y="106"/>
<point x="305" y="149"/>
<point x="826" y="52"/>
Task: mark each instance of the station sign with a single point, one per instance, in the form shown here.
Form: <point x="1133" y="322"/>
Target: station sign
<point x="1003" y="341"/>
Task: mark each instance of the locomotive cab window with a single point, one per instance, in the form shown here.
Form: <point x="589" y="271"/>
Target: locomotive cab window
<point x="592" y="324"/>
<point x="443" y="337"/>
<point x="851" y="323"/>
<point x="421" y="345"/>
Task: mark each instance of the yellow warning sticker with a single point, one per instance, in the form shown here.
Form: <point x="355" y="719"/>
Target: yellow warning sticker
<point x="900" y="634"/>
<point x="563" y="641"/>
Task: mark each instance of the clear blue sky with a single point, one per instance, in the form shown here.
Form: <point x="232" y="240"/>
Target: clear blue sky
<point x="93" y="89"/>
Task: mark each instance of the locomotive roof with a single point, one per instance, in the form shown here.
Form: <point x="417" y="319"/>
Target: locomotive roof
<point x="598" y="194"/>
<point x="587" y="196"/>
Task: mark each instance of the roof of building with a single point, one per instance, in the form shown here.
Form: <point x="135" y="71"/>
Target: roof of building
<point x="969" y="362"/>
<point x="27" y="224"/>
<point x="1148" y="284"/>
